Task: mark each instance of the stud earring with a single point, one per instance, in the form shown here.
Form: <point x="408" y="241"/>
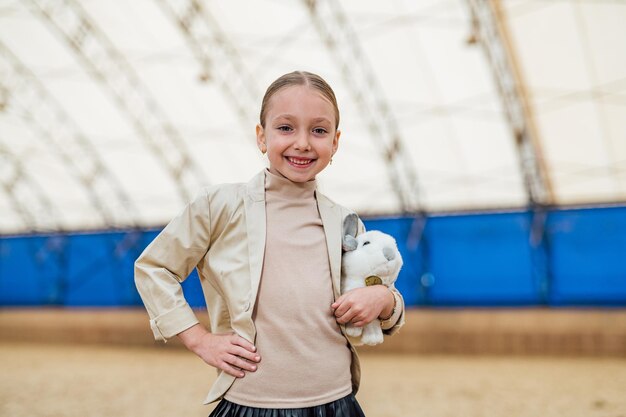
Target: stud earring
<point x="331" y="161"/>
<point x="263" y="149"/>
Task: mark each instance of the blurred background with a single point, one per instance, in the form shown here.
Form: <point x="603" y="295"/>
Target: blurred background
<point x="488" y="136"/>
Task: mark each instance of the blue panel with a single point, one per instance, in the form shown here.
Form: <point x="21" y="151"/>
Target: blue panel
<point x="29" y="271"/>
<point x="193" y="290"/>
<point x="90" y="276"/>
<point x="588" y="256"/>
<point x="481" y="260"/>
<point x="191" y="286"/>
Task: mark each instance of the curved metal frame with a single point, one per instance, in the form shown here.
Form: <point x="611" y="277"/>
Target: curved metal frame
<point x="217" y="57"/>
<point x="106" y="64"/>
<point x="332" y="26"/>
<point x="27" y="197"/>
<point x="490" y="29"/>
<point x="53" y="125"/>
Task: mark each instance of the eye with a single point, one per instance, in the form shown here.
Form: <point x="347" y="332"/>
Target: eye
<point x="320" y="131"/>
<point x="367" y="242"/>
<point x="285" y="128"/>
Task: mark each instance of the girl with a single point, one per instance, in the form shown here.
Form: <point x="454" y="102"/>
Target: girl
<point x="268" y="254"/>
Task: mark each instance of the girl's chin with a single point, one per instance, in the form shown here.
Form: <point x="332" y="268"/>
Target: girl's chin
<point x="296" y="175"/>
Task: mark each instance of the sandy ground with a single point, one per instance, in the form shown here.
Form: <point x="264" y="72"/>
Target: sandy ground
<point x="66" y="380"/>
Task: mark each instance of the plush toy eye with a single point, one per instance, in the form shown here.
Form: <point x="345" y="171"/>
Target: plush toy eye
<point x="367" y="242"/>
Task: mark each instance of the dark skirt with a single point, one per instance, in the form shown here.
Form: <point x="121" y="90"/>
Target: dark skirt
<point x="343" y="407"/>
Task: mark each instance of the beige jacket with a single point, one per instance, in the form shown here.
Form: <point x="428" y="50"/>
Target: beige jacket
<point x="222" y="234"/>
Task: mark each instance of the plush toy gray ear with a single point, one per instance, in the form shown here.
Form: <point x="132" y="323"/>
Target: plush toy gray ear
<point x="350" y="227"/>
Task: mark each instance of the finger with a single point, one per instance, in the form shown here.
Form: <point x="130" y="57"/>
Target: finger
<point x="231" y="370"/>
<point x="244" y="353"/>
<point x="240" y="341"/>
<point x="242" y="364"/>
<point x="358" y="319"/>
<point x="346" y="317"/>
<point x="342" y="309"/>
<point x="338" y="301"/>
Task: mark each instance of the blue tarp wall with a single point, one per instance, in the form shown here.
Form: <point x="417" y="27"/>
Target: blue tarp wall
<point x="578" y="258"/>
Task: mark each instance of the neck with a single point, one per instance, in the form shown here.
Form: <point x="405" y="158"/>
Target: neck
<point x="279" y="185"/>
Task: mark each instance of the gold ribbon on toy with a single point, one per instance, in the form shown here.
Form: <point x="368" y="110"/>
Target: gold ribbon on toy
<point x="373" y="280"/>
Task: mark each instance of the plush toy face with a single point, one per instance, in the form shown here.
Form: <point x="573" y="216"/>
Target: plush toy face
<point x="376" y="254"/>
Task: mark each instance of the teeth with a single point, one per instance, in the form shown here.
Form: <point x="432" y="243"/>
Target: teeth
<point x="299" y="161"/>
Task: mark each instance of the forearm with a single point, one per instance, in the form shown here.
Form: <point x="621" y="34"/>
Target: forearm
<point x="192" y="336"/>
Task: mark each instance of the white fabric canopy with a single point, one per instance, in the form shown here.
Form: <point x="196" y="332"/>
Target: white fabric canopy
<point x="439" y="88"/>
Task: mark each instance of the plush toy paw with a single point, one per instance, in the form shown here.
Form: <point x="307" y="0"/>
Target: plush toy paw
<point x="354" y="331"/>
<point x="372" y="334"/>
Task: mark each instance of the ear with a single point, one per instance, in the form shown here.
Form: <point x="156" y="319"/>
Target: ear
<point x="349" y="243"/>
<point x="350" y="227"/>
<point x="336" y="141"/>
<point x="260" y="138"/>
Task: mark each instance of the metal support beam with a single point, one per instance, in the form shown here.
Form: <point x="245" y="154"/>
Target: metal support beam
<point x="490" y="29"/>
<point x="51" y="260"/>
<point x="107" y="65"/>
<point x="218" y="58"/>
<point x="28" y="199"/>
<point x="540" y="252"/>
<point x="417" y="246"/>
<point x="23" y="91"/>
<point x="333" y="27"/>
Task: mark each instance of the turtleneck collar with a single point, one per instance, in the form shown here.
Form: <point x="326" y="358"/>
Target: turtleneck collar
<point x="283" y="187"/>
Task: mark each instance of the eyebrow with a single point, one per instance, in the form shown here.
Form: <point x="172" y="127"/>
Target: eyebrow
<point x="321" y="119"/>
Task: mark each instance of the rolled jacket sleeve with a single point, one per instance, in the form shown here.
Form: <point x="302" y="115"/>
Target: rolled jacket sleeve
<point x="167" y="261"/>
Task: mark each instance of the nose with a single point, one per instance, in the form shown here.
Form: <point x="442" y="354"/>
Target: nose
<point x="389" y="253"/>
<point x="302" y="142"/>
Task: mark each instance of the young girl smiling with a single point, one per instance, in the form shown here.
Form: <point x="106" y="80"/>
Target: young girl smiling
<point x="268" y="254"/>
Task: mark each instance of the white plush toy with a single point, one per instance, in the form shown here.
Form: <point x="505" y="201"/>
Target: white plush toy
<point x="368" y="259"/>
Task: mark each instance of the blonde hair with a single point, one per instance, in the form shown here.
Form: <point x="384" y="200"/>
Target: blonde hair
<point x="300" y="78"/>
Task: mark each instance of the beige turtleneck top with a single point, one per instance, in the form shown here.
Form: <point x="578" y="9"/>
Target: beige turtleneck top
<point x="305" y="358"/>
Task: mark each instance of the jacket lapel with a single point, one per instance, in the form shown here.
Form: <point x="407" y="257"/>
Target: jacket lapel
<point x="255" y="224"/>
<point x="330" y="214"/>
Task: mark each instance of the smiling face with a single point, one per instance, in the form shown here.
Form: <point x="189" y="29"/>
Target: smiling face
<point x="299" y="134"/>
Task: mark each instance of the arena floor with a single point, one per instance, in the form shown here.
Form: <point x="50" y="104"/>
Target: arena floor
<point x="81" y="380"/>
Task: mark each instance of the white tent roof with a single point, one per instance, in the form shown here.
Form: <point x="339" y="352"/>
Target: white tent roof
<point x="61" y="115"/>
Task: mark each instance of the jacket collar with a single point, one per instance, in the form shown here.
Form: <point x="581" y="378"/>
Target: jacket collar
<point x="255" y="188"/>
